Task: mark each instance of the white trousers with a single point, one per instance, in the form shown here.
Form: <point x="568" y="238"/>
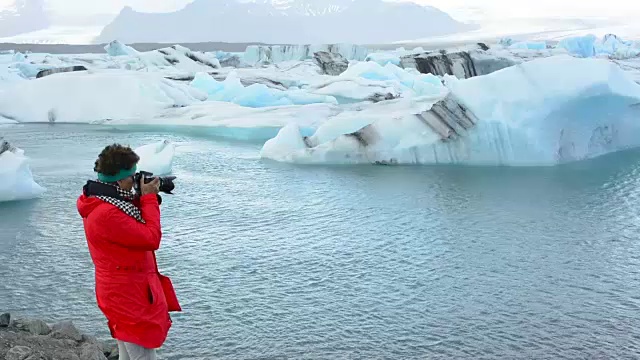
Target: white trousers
<point x="129" y="351"/>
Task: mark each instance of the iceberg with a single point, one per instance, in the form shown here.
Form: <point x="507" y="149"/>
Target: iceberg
<point x="88" y="97"/>
<point x="30" y="71"/>
<point x="529" y="45"/>
<point x="506" y="41"/>
<point x="610" y="45"/>
<point x="331" y="64"/>
<point x="48" y="72"/>
<point x="370" y="81"/>
<point x="392" y="57"/>
<point x="173" y="58"/>
<point x="8" y="76"/>
<point x="156" y="158"/>
<point x="582" y="46"/>
<point x="116" y="48"/>
<point x="175" y="61"/>
<point x="539" y="113"/>
<point x="231" y="121"/>
<point x="258" y="54"/>
<point x="19" y="57"/>
<point x="282" y="76"/>
<point x="16" y="179"/>
<point x="384" y="58"/>
<point x="255" y="95"/>
<point x="617" y="48"/>
<point x="462" y="64"/>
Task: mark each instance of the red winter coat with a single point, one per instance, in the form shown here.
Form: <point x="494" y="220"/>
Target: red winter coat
<point x="128" y="288"/>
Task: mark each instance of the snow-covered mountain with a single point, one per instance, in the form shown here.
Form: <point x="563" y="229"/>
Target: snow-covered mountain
<point x="23" y="16"/>
<point x="283" y="21"/>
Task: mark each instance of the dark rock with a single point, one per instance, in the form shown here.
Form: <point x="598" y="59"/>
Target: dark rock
<point x="66" y="330"/>
<point x="483" y="46"/>
<point x="18" y="353"/>
<point x="38" y="327"/>
<point x="331" y="63"/>
<point x="26" y="340"/>
<point x="5" y="319"/>
<point x="47" y="72"/>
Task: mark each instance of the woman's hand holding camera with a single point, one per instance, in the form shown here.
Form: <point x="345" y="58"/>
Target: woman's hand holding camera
<point x="151" y="188"/>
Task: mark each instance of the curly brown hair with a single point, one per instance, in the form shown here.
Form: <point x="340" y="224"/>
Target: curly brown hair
<point x="114" y="158"/>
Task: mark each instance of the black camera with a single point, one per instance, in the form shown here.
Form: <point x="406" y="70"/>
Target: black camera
<point x="166" y="182"/>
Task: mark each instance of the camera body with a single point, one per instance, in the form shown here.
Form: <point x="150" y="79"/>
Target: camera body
<point x="166" y="182"/>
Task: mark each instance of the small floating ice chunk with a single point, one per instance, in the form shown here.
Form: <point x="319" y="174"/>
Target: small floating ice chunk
<point x="157" y="157"/>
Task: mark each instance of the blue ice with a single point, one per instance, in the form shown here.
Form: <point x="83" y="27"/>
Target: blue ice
<point x="255" y="95"/>
<point x="582" y="46"/>
<point x="529" y="45"/>
<point x="610" y="45"/>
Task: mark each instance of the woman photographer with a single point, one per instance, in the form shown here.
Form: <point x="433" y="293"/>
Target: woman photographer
<point x="123" y="231"/>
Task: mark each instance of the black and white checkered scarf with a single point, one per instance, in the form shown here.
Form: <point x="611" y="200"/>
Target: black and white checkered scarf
<point x="124" y="202"/>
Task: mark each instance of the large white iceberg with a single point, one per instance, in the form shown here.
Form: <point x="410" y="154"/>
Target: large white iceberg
<point x="16" y="179"/>
<point x="542" y="112"/>
<point x="86" y="97"/>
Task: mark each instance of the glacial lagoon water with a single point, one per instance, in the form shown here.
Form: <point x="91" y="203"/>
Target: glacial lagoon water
<point x="276" y="261"/>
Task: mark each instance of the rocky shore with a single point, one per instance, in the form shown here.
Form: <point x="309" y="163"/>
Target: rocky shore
<point x="29" y="339"/>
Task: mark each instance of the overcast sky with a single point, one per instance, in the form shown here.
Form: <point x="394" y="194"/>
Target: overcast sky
<point x="495" y="8"/>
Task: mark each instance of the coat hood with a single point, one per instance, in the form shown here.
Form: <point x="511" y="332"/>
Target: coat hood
<point x="86" y="205"/>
